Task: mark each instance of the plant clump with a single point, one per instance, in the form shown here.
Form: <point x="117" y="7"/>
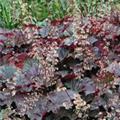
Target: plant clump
<point x="65" y="69"/>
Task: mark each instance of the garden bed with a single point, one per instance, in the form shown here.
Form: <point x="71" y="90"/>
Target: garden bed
<point x="65" y="69"/>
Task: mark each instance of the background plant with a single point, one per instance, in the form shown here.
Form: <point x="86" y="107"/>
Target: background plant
<point x="13" y="13"/>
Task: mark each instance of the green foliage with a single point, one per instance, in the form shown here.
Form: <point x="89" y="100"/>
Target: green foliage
<point x="11" y="13"/>
<point x="14" y="12"/>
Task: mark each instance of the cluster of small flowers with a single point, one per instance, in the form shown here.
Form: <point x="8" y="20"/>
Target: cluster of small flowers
<point x="47" y="56"/>
<point x="54" y="32"/>
<point x="79" y="71"/>
<point x="30" y="32"/>
<point x="86" y="56"/>
<point x="67" y="105"/>
<point x="83" y="51"/>
<point x="52" y="54"/>
<point x="80" y="105"/>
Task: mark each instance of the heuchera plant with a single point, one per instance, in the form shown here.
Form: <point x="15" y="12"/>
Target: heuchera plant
<point x="66" y="69"/>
